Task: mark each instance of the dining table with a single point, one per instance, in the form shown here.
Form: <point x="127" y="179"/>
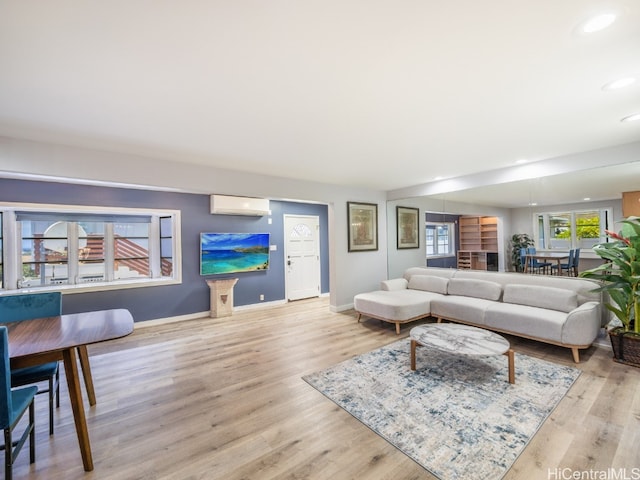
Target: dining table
<point x="42" y="340"/>
<point x="557" y="257"/>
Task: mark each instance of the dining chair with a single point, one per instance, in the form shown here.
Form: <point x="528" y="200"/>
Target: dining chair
<point x="523" y="259"/>
<point x="576" y="260"/>
<point x="17" y="308"/>
<point x="568" y="267"/>
<point x="536" y="265"/>
<point x="13" y="404"/>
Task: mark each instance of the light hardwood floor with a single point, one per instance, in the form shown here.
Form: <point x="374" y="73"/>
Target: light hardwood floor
<point x="224" y="399"/>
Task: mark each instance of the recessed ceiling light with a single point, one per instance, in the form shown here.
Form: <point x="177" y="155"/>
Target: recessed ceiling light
<point x="619" y="83"/>
<point x="631" y="118"/>
<point x="438" y="178"/>
<point x="586" y="199"/>
<point x="533" y="204"/>
<point x="598" y="23"/>
<point x="521" y="161"/>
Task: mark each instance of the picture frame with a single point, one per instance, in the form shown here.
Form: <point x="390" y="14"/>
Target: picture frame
<point x="362" y="228"/>
<point x="407" y="231"/>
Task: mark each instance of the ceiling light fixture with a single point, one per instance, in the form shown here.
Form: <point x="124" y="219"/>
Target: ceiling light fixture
<point x="631" y="118"/>
<point x="599" y="22"/>
<point x="521" y="161"/>
<point x="586" y="199"/>
<point x="619" y="83"/>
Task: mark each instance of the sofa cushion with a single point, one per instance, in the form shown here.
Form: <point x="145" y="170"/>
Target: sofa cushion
<point x="394" y="305"/>
<point x="429" y="283"/>
<point x="526" y="321"/>
<point x="394" y="284"/>
<point x="550" y="298"/>
<point x="461" y="308"/>
<point x="474" y="288"/>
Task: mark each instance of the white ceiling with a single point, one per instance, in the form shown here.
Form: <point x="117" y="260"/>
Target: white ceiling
<point x="377" y="94"/>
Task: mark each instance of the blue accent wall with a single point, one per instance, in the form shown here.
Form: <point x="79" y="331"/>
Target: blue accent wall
<point x="192" y="295"/>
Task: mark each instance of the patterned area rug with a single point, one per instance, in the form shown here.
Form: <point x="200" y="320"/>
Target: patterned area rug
<point x="456" y="416"/>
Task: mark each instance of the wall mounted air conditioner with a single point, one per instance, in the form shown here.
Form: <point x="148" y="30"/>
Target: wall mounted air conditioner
<point x="231" y="205"/>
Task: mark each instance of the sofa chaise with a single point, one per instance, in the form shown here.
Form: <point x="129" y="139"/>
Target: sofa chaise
<point x="557" y="310"/>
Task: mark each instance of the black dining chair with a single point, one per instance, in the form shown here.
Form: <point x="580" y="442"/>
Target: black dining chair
<point x="17" y="308"/>
<point x="13" y="404"/>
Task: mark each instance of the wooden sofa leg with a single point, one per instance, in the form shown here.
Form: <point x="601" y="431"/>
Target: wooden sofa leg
<point x="359" y="316"/>
<point x="576" y="355"/>
<point x="397" y="328"/>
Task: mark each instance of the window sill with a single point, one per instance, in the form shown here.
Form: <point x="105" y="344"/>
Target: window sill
<point x="95" y="286"/>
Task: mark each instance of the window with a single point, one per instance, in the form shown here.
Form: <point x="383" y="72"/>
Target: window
<point x="166" y="246"/>
<point x="68" y="247"/>
<point x="44" y="252"/>
<point x="440" y="239"/>
<point x="131" y="250"/>
<point x="571" y="229"/>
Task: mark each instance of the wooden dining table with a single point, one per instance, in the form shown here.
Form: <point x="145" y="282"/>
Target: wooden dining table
<point x="42" y="340"/>
<point x="549" y="256"/>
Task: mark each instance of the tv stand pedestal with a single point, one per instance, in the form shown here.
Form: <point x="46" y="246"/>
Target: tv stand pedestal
<point x="221" y="297"/>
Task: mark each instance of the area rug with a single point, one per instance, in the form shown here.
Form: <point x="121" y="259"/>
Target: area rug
<point x="458" y="417"/>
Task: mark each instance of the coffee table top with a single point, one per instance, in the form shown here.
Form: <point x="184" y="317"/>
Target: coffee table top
<point x="460" y="339"/>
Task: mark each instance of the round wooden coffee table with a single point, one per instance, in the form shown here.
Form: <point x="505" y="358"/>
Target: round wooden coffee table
<point x="461" y="340"/>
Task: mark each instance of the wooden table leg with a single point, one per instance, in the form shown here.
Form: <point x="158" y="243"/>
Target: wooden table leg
<point x="414" y="344"/>
<point x="511" y="358"/>
<point x="86" y="373"/>
<point x="75" y="395"/>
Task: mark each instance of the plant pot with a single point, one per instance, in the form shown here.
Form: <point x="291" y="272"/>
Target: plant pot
<point x="626" y="346"/>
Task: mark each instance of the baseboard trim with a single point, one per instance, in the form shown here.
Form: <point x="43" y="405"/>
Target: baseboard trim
<point x="255" y="306"/>
<point x="341" y="308"/>
<point x="162" y="321"/>
<point x="192" y="316"/>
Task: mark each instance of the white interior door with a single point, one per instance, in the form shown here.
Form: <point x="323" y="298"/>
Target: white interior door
<point x="302" y="256"/>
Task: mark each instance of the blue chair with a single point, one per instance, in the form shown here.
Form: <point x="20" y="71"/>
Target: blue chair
<point x="13" y="404"/>
<point x="16" y="308"/>
<point x="536" y="265"/>
<point x="568" y="267"/>
<point x="523" y="259"/>
<point x="576" y="260"/>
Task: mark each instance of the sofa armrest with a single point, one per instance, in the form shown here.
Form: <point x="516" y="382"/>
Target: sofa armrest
<point x="394" y="284"/>
<point x="582" y="325"/>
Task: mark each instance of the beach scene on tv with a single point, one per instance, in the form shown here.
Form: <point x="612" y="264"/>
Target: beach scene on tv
<point x="233" y="252"/>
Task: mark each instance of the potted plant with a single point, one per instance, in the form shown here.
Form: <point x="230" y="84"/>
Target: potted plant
<point x="518" y="242"/>
<point x="620" y="277"/>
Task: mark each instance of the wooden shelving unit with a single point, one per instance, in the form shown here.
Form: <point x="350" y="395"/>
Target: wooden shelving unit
<point x="470" y="238"/>
<point x="478" y="243"/>
<point x="630" y="204"/>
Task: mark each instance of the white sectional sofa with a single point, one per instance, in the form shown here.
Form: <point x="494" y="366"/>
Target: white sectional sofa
<point x="558" y="310"/>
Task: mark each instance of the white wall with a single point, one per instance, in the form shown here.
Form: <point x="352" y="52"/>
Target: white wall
<point x="350" y="273"/>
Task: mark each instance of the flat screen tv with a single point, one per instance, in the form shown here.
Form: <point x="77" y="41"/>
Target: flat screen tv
<point x="233" y="252"/>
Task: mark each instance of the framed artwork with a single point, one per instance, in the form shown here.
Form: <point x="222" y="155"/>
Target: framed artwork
<point x="407" y="227"/>
<point x="362" y="225"/>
